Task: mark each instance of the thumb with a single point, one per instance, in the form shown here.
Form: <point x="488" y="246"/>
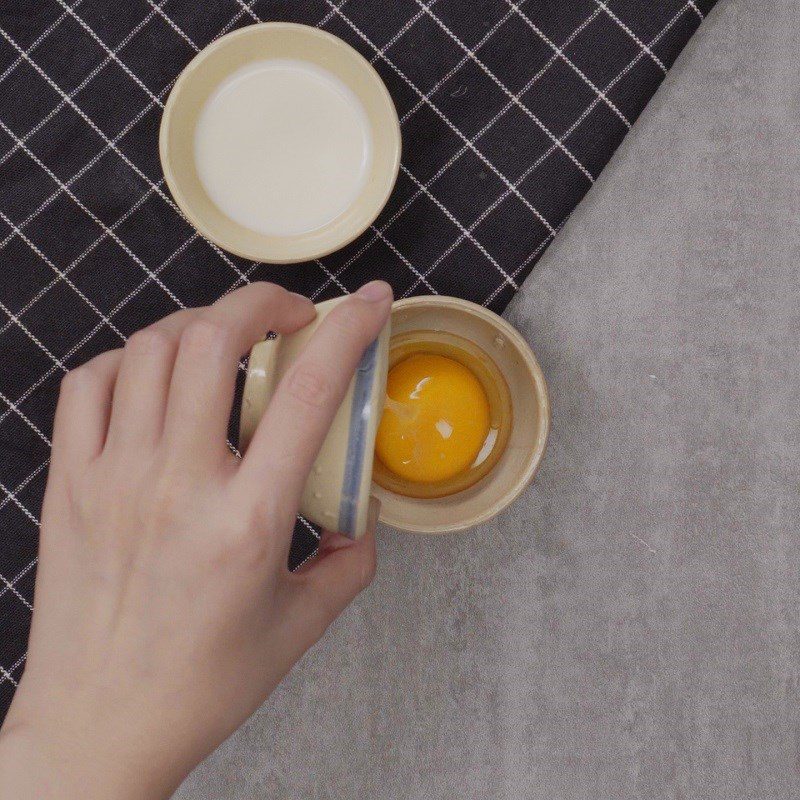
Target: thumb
<point x="342" y="568"/>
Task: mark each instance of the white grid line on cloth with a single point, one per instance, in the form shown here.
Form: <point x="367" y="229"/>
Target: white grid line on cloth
<point x="18" y="503"/>
<point x="32" y="336"/>
<point x="328" y="16"/>
<point x="78" y="259"/>
<point x="20" y="486"/>
<point x="696" y="10"/>
<point x="419" y="104"/>
<point x="39" y="39"/>
<point x="111" y="53"/>
<point x="82" y="85"/>
<point x="90" y="164"/>
<point x="24" y="417"/>
<point x="324" y="21"/>
<point x="108" y="141"/>
<point x="9" y="587"/>
<point x="396" y="251"/>
<point x="310" y="527"/>
<point x="157" y="8"/>
<point x="507" y="192"/>
<point x="80" y="344"/>
<point x="444" y="118"/>
<point x="92" y="215"/>
<point x="18" y="577"/>
<point x="74" y="349"/>
<point x="538" y="249"/>
<point x="525" y="110"/>
<point x="464" y="231"/>
<point x="115" y="310"/>
<point x="400" y="33"/>
<point x="633" y="36"/>
<point x="63" y="277"/>
<point x="569" y="62"/>
<point x="379" y="233"/>
<point x="249" y="10"/>
<point x="452" y="160"/>
<point x="6" y="673"/>
<point x="585" y="114"/>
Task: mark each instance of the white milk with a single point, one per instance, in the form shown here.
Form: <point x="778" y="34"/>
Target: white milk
<point x="283" y="147"/>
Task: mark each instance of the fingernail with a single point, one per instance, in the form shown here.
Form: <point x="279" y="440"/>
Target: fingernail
<point x="375" y="291"/>
<point x="374" y="512"/>
<point x="301" y="296"/>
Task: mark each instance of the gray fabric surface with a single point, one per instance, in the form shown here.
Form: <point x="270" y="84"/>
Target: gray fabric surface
<point x="630" y="628"/>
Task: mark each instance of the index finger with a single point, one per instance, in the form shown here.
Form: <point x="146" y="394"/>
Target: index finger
<point x="308" y="396"/>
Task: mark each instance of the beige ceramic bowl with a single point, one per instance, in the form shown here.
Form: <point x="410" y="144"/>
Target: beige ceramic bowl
<point x="200" y="79"/>
<point x="530" y="425"/>
<point x="337" y="493"/>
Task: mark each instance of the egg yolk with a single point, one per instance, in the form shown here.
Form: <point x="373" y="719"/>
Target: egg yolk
<point x="435" y="421"/>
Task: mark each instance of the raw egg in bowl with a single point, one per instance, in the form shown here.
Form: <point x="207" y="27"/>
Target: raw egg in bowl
<point x="466" y="417"/>
<point x="445" y="421"/>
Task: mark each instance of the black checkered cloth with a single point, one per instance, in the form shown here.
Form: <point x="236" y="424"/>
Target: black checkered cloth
<point x="509" y="111"/>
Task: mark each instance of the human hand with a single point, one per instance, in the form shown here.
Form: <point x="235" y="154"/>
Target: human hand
<point x="164" y="610"/>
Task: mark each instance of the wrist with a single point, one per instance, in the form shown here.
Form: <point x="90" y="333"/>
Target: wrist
<point x="68" y="751"/>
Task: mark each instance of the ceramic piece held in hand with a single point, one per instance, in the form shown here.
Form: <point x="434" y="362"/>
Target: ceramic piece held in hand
<point x="280" y="142"/>
<point x="336" y="495"/>
<point x="459" y="435"/>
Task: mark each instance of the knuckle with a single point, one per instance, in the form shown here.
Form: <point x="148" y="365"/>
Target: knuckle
<point x="149" y="341"/>
<point x="245" y="538"/>
<point x="269" y="292"/>
<point x="85" y="496"/>
<point x="347" y="320"/>
<point x="164" y="506"/>
<point x="75" y="379"/>
<point x="261" y="515"/>
<point x="309" y="387"/>
<point x="93" y="372"/>
<point x="204" y="334"/>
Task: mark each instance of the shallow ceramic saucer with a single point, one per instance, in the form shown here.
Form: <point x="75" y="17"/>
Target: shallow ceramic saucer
<point x="217" y="62"/>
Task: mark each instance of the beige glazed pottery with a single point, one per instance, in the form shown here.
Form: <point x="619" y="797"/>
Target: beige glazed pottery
<point x="201" y="78"/>
<point x="530" y="427"/>
<point x="337" y="493"/>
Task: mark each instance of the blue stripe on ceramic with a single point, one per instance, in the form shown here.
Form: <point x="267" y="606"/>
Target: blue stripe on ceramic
<point x="357" y="440"/>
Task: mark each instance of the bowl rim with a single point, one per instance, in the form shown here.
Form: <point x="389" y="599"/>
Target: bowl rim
<point x="173" y="102"/>
<point x="544" y="412"/>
